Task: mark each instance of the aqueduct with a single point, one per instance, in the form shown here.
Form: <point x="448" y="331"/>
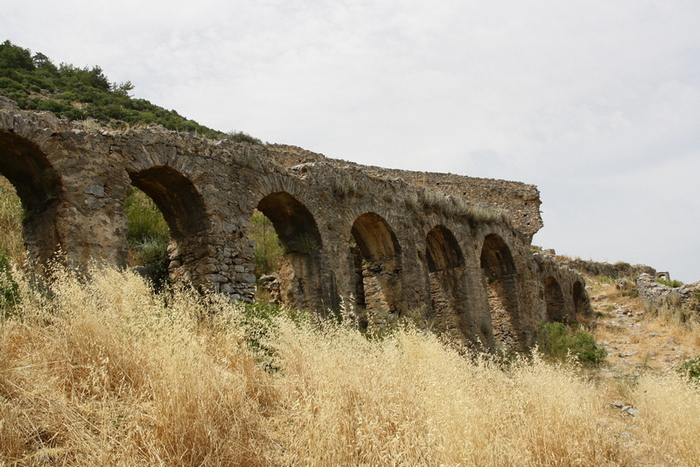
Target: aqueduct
<point x="450" y="251"/>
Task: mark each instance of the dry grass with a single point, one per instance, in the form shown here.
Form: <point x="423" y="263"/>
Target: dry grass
<point x="452" y="206"/>
<point x="11" y="241"/>
<point x="104" y="373"/>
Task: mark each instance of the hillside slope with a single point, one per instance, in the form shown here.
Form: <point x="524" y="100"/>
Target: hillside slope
<point x="34" y="82"/>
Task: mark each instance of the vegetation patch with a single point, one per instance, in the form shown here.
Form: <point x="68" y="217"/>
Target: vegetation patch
<point x="691" y="369"/>
<point x="242" y="137"/>
<point x="148" y="236"/>
<point x="669" y="283"/>
<point x="36" y="83"/>
<point x="561" y="343"/>
<point x="267" y="244"/>
<point x="9" y="290"/>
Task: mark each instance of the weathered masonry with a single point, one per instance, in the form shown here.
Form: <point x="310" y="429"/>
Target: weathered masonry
<point x="452" y="252"/>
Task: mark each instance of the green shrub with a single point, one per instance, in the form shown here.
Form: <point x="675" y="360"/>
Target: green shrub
<point x="146" y="222"/>
<point x="9" y="290"/>
<point x="304" y="244"/>
<point x="559" y="343"/>
<point x="668" y="283"/>
<point x="148" y="236"/>
<point x="258" y="323"/>
<point x="691" y="369"/>
<point x="632" y="293"/>
<point x="267" y="245"/>
<point x="241" y="137"/>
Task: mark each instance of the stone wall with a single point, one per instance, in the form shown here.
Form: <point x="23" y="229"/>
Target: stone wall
<point x="374" y="241"/>
<point x="521" y="201"/>
<point x="615" y="271"/>
<point x="657" y="296"/>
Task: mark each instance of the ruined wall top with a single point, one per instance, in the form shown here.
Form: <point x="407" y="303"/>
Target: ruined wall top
<point x="520" y="200"/>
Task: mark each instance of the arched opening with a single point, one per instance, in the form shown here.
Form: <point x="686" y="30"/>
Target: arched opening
<point x="39" y="189"/>
<point x="447" y="285"/>
<point x="377" y="269"/>
<point x="554" y="298"/>
<point x="305" y="281"/>
<point x="167" y="255"/>
<point x="499" y="269"/>
<point x="580" y="301"/>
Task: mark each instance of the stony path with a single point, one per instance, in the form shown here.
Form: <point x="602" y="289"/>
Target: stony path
<point x="636" y="341"/>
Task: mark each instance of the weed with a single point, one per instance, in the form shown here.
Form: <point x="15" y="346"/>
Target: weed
<point x="267" y="245"/>
<point x="605" y="279"/>
<point x="631" y="293"/>
<point x="691" y="369"/>
<point x="9" y="290"/>
<point x="241" y="137"/>
<point x="457" y="207"/>
<point x="672" y="283"/>
<point x="345" y="185"/>
<point x="558" y="342"/>
<point x="304" y="244"/>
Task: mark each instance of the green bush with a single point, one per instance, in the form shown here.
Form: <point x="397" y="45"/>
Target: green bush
<point x="691" y="369"/>
<point x="559" y="343"/>
<point x="148" y="236"/>
<point x="258" y="323"/>
<point x="267" y="245"/>
<point x="9" y="290"/>
<point x="241" y="137"/>
<point x="146" y="222"/>
<point x="668" y="283"/>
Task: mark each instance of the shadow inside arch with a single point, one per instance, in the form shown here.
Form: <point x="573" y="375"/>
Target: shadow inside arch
<point x="176" y="196"/>
<point x="306" y="280"/>
<point x="185" y="214"/>
<point x="501" y="278"/>
<point x="40" y="191"/>
<point x="377" y="269"/>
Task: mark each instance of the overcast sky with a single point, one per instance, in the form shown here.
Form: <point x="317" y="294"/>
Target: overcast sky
<point x="596" y="102"/>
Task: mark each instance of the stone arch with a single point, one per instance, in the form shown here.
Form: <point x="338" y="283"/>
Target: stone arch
<point x="554" y="299"/>
<point x="176" y="196"/>
<point x="447" y="282"/>
<point x="377" y="268"/>
<point x="306" y="281"/>
<point x="442" y="250"/>
<point x="501" y="279"/>
<point x="40" y="190"/>
<point x="185" y="213"/>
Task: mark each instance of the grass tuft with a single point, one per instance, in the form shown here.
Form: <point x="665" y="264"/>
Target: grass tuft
<point x="560" y="343"/>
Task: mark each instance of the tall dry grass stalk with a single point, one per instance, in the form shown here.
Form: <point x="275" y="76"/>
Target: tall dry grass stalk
<point x="103" y="372"/>
<point x="11" y="241"/>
